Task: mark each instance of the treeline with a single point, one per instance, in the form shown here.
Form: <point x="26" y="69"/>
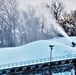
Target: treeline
<point x="19" y="27"/>
<point x="66" y="20"/>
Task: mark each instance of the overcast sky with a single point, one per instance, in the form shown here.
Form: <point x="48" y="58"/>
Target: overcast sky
<point x="70" y="4"/>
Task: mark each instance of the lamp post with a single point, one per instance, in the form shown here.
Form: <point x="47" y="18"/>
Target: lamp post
<point x="51" y="48"/>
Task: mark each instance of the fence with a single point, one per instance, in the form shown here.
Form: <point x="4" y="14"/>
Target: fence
<point x="32" y="62"/>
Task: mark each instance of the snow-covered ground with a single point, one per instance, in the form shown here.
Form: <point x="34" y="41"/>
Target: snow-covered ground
<point x="37" y="50"/>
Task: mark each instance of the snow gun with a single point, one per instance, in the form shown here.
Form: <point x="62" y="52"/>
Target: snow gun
<point x="73" y="44"/>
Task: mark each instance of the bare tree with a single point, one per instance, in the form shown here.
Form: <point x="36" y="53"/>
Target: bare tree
<point x="68" y="22"/>
<point x="9" y="17"/>
<point x="56" y="8"/>
<point x="13" y="7"/>
<point x="28" y="28"/>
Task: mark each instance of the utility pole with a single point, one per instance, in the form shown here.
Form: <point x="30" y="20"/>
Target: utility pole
<point x="51" y="48"/>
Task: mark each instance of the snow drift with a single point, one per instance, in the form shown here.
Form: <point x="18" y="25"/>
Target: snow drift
<point x="37" y="50"/>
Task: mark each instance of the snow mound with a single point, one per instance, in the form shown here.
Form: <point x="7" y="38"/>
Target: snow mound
<point x="36" y="50"/>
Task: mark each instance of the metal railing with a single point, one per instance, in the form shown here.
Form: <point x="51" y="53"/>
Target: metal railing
<point x="33" y="62"/>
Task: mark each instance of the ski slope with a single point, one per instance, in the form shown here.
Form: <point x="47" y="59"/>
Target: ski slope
<point x="37" y="50"/>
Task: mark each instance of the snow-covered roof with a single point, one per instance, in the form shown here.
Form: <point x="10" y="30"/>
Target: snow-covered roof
<point x="37" y="50"/>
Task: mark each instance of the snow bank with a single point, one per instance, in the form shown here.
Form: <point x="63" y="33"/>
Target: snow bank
<point x="36" y="50"/>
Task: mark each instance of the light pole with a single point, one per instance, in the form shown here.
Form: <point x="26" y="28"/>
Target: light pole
<point x="51" y="48"/>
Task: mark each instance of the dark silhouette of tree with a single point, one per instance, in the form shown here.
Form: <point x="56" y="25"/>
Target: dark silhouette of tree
<point x="56" y="8"/>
